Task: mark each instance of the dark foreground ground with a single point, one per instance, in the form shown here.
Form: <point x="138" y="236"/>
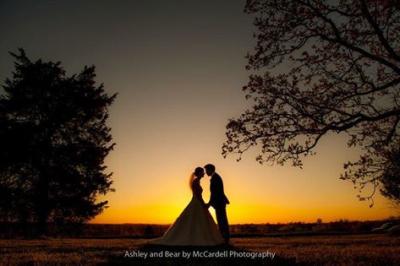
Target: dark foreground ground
<point x="366" y="249"/>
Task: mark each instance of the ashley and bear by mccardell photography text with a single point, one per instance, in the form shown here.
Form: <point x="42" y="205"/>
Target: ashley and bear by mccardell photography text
<point x="198" y="254"/>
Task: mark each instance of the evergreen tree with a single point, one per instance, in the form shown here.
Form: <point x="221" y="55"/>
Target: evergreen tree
<point x="54" y="140"/>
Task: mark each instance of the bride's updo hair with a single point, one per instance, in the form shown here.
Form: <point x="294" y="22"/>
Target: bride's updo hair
<point x="198" y="172"/>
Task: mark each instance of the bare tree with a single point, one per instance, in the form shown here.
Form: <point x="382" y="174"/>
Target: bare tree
<point x="319" y="67"/>
<point x="390" y="179"/>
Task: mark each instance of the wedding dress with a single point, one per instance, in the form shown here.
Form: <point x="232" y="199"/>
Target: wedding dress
<point x="194" y="226"/>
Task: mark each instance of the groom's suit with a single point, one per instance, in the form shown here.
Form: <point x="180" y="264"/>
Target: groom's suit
<point x="218" y="200"/>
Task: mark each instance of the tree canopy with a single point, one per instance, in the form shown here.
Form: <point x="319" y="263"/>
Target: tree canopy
<point x="54" y="139"/>
<point x="320" y="67"/>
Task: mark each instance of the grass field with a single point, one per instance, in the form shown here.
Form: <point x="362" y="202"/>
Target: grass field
<point x="367" y="249"/>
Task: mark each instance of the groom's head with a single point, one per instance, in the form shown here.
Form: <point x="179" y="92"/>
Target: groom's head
<point x="210" y="169"/>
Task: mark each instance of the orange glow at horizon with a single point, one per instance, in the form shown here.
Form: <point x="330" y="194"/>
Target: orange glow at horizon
<point x="238" y="214"/>
<point x="258" y="193"/>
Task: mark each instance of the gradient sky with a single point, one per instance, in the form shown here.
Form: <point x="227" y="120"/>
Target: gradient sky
<point x="178" y="67"/>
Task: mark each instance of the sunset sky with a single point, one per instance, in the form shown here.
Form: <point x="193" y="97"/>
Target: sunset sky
<point x="178" y="67"/>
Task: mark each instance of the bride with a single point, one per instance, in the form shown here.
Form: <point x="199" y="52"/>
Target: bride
<point x="194" y="226"/>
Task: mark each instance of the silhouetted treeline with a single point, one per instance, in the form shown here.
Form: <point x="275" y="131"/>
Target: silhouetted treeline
<point x="53" y="139"/>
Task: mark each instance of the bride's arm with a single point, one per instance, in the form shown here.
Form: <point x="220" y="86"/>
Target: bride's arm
<point x="197" y="193"/>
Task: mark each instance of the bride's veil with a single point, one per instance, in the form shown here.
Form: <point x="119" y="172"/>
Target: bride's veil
<point x="192" y="177"/>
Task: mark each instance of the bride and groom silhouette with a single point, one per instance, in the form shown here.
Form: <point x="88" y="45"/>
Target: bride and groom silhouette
<point x="195" y="225"/>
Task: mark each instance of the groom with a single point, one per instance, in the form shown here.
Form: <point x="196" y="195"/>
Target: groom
<point x="218" y="200"/>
